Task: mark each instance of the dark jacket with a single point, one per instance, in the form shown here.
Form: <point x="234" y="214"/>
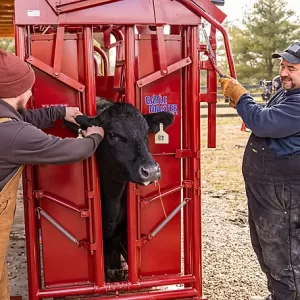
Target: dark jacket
<point x="22" y="141"/>
<point x="278" y="122"/>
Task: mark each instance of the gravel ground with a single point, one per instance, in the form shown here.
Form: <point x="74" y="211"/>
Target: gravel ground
<point x="229" y="264"/>
<point x="230" y="268"/>
<point x="16" y="257"/>
<point x="231" y="271"/>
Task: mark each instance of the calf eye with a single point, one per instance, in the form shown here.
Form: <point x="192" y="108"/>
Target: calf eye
<point x="112" y="136"/>
<point x="116" y="137"/>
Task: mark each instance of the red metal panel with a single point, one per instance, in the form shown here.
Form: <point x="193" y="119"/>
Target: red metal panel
<point x="34" y="12"/>
<point x="123" y="12"/>
<point x="173" y="13"/>
<point x="131" y="197"/>
<point x="43" y="48"/>
<point x="66" y="7"/>
<point x="166" y="90"/>
<point x="104" y="86"/>
<point x="58" y="251"/>
<point x="195" y="173"/>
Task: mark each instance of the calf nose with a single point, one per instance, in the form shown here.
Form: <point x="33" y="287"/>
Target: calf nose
<point x="150" y="173"/>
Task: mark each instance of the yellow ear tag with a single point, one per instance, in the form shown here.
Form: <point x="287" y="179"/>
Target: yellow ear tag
<point x="161" y="137"/>
<point x="80" y="134"/>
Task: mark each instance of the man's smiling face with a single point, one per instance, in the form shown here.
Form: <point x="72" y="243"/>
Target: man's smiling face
<point x="289" y="75"/>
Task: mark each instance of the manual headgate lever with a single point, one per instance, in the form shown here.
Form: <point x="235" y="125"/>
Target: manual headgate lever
<point x="210" y="54"/>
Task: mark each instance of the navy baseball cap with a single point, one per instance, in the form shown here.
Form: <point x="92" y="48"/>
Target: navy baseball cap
<point x="290" y="54"/>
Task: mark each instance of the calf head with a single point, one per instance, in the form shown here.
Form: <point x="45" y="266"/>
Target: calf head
<point x="124" y="151"/>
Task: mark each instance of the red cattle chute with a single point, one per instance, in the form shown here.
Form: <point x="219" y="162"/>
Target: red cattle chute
<point x="154" y="71"/>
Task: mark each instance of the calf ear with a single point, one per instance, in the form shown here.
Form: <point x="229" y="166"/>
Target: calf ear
<point x="71" y="126"/>
<point x="155" y="119"/>
<point x="83" y="121"/>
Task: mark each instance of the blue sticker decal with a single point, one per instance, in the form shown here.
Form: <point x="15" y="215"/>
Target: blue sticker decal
<point x="159" y="103"/>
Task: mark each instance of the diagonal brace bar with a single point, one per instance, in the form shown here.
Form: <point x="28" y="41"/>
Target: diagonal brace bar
<point x="76" y="5"/>
<point x="157" y="75"/>
<point x="59" y="76"/>
<point x="165" y="222"/>
<point x="58" y="226"/>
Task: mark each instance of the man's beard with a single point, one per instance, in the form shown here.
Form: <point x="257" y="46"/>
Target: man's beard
<point x="283" y="83"/>
<point x="20" y="107"/>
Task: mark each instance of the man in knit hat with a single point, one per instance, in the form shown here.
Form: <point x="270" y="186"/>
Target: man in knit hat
<point x="22" y="142"/>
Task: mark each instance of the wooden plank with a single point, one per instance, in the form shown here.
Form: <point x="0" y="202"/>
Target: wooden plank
<point x="6" y="31"/>
<point x="6" y="18"/>
<point x="6" y="34"/>
<point x="6" y="13"/>
<point x="7" y="6"/>
<point x="3" y="32"/>
<point x="6" y="28"/>
<point x="6" y="2"/>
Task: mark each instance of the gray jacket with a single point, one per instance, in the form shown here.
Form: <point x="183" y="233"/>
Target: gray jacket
<point x="23" y="142"/>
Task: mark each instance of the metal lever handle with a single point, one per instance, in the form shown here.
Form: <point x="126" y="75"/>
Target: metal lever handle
<point x="210" y="54"/>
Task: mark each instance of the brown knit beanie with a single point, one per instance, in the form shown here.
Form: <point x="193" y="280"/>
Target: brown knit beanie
<point x="16" y="76"/>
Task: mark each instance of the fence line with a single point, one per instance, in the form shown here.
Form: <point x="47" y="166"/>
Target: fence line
<point x="248" y="87"/>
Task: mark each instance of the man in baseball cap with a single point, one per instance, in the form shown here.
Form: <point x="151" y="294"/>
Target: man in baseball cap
<point x="290" y="54"/>
<point x="271" y="170"/>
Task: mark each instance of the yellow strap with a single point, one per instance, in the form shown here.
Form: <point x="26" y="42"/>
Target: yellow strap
<point x="18" y="173"/>
<point x="4" y="120"/>
<point x="13" y="181"/>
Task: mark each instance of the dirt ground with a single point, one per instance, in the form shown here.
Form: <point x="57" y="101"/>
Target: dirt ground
<point x="16" y="257"/>
<point x="231" y="271"/>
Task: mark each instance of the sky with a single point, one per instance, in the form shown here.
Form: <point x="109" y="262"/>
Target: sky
<point x="235" y="9"/>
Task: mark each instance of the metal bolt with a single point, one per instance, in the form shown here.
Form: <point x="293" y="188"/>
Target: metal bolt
<point x="56" y="74"/>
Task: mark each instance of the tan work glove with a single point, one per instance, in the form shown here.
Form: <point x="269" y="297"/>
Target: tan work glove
<point x="232" y="90"/>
